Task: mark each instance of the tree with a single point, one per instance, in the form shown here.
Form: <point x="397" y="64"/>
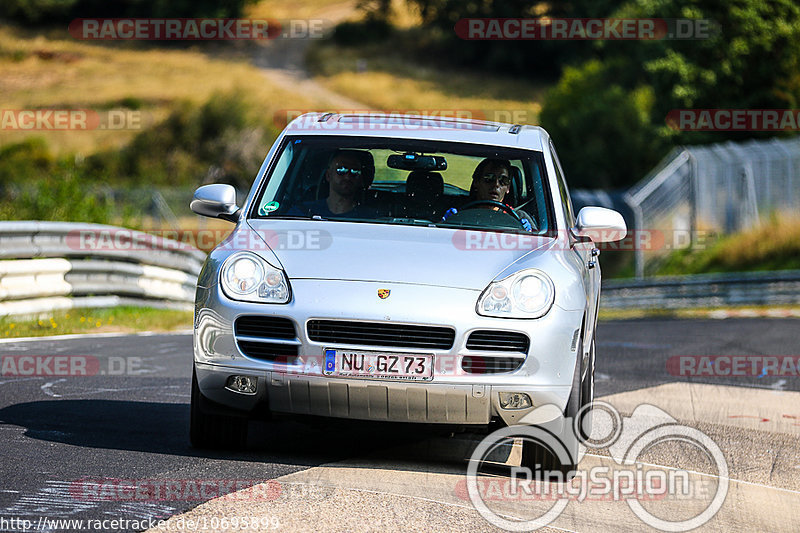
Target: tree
<point x="601" y="130"/>
<point x="614" y="110"/>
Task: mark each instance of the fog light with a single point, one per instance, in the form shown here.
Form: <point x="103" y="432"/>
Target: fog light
<point x="242" y="384"/>
<point x="515" y="400"/>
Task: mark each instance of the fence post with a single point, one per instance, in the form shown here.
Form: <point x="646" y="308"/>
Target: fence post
<point x="693" y="194"/>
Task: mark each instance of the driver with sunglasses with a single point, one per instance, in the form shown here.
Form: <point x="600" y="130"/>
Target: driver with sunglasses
<point x="491" y="180"/>
<point x="348" y="174"/>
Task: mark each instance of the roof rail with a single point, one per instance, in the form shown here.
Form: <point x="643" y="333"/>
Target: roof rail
<point x="513" y="130"/>
<point x="325" y="117"/>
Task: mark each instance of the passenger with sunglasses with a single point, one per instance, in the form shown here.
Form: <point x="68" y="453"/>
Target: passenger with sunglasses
<point x="349" y="174"/>
<point x="491" y="180"/>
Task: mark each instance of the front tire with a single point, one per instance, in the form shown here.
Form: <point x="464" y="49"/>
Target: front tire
<point x="587" y="397"/>
<point x="214" y="430"/>
<point x="581" y="395"/>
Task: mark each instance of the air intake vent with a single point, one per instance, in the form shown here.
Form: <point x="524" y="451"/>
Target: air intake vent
<point x="476" y="364"/>
<point x="498" y="341"/>
<point x="270" y="327"/>
<point x="381" y="334"/>
<point x="278" y="353"/>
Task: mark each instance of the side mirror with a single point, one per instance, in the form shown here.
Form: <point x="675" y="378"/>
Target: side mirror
<point x="600" y="224"/>
<point x="216" y="201"/>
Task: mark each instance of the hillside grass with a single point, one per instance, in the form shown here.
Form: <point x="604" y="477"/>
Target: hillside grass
<point x="380" y="72"/>
<point x="774" y="245"/>
<point x="298" y="9"/>
<point x="381" y="78"/>
<point x="51" y="70"/>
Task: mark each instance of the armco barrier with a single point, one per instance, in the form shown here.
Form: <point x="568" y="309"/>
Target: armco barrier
<point x="42" y="269"/>
<point x="703" y="290"/>
<point x="45" y="266"/>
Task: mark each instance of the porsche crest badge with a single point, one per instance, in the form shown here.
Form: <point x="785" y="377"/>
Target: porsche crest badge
<point x="384" y="293"/>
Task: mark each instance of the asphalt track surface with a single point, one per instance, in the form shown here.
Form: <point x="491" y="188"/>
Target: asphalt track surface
<point x="80" y="447"/>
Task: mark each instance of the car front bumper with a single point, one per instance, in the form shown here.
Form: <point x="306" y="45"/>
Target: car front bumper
<point x="451" y="397"/>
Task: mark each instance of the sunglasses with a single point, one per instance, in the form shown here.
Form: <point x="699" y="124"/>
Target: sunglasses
<point x="342" y="171"/>
<point x="489" y="179"/>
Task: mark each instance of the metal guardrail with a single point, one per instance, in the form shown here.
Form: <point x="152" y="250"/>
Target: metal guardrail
<point x="703" y="290"/>
<point x="46" y="266"/>
<point x="722" y="188"/>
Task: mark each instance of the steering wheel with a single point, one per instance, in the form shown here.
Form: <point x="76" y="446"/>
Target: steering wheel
<point x="491" y="203"/>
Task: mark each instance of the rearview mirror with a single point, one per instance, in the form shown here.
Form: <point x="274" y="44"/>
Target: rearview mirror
<point x="216" y="201"/>
<point x="600" y="224"/>
<point x="412" y="161"/>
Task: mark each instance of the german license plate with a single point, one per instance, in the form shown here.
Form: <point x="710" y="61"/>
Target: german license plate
<point x="378" y="365"/>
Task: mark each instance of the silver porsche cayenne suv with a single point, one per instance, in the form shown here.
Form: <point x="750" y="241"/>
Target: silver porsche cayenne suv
<point x="398" y="268"/>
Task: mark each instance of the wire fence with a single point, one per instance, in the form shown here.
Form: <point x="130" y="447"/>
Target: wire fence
<point x="721" y="188"/>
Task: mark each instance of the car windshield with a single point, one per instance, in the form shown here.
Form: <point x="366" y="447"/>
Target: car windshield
<point x="407" y="182"/>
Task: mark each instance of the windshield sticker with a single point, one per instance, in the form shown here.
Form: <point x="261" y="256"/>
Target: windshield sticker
<point x="269" y="207"/>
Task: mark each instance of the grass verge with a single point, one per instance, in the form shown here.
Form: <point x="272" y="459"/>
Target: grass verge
<point x="123" y="319"/>
<point x="716" y="312"/>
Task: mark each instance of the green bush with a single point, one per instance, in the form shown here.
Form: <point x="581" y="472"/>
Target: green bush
<point x="63" y="193"/>
<point x="609" y="116"/>
<point x="19" y="162"/>
<point x="219" y="142"/>
<point x="369" y="30"/>
<point x="602" y="131"/>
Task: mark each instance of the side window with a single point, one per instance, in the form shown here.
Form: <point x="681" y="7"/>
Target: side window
<point x="562" y="188"/>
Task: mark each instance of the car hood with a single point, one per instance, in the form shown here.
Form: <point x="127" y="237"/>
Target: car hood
<point x="309" y="249"/>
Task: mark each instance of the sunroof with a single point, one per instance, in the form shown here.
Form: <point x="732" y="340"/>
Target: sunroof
<point x="402" y="121"/>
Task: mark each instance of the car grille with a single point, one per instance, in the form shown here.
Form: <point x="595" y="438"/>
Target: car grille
<point x="479" y="364"/>
<point x="500" y="341"/>
<point x="272" y="327"/>
<point x="381" y="334"/>
<point x="254" y="333"/>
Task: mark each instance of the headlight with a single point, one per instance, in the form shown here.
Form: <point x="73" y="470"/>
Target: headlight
<point x="526" y="294"/>
<point x="245" y="276"/>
